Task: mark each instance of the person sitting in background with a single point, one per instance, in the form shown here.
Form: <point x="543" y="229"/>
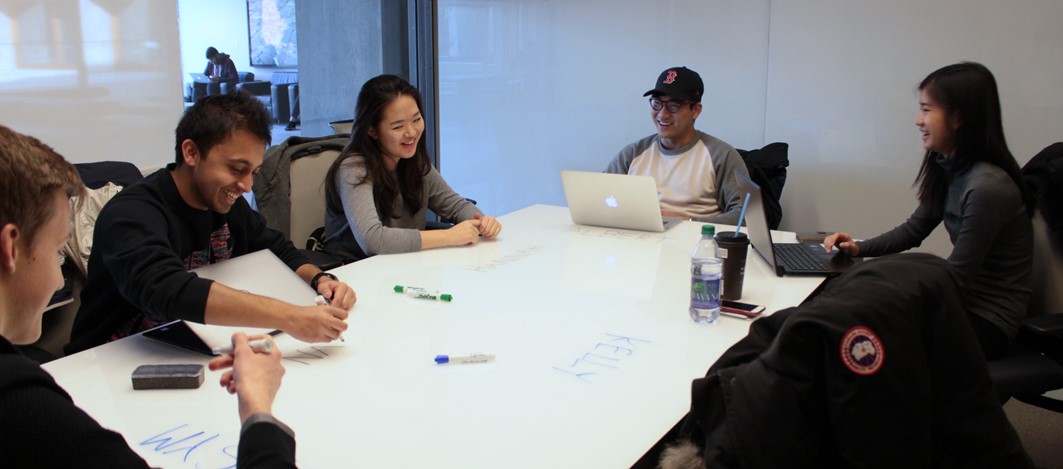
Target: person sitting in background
<point x="379" y="189"/>
<point x="695" y="172"/>
<point x="35" y="186"/>
<point x="190" y="214"/>
<point x="220" y="68"/>
<point x="969" y="180"/>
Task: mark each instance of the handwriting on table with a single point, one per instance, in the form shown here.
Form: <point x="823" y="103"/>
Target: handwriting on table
<point x="193" y="446"/>
<point x="605" y="356"/>
<point x="306" y="355"/>
<point x="618" y="234"/>
<point x="515" y="256"/>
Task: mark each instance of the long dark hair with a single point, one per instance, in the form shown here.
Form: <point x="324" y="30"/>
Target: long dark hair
<point x="968" y="93"/>
<point x="408" y="178"/>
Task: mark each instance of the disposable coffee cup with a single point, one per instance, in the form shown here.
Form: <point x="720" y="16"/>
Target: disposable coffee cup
<point x="733" y="248"/>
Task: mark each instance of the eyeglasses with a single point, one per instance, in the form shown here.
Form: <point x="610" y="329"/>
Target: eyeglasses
<point x="673" y="106"/>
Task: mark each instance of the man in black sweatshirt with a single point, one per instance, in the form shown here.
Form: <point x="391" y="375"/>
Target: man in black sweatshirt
<point x="191" y="214"/>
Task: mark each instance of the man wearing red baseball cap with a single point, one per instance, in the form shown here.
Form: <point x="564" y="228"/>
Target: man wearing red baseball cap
<point x="695" y="172"/>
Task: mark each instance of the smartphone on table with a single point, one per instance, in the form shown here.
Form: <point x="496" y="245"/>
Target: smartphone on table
<point x="740" y="310"/>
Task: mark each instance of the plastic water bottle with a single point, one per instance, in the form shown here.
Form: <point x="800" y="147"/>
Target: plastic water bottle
<point x="706" y="268"/>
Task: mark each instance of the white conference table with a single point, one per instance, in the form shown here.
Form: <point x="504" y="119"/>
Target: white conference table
<point x="595" y="356"/>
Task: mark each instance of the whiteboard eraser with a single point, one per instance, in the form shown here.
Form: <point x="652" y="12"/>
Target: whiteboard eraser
<point x="167" y="377"/>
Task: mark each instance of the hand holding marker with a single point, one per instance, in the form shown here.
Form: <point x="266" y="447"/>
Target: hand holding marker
<point x="423" y="293"/>
<point x="257" y="345"/>
<point x="322" y="301"/>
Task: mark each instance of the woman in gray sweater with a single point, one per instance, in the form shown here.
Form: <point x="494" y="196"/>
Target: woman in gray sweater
<point x="379" y="189"/>
<point x="970" y="180"/>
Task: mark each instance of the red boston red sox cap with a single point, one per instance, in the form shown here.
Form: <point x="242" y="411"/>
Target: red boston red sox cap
<point x="680" y="83"/>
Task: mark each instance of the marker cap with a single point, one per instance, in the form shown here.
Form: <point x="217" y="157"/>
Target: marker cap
<point x="399" y="288"/>
<point x="446" y="297"/>
<point x="441" y="359"/>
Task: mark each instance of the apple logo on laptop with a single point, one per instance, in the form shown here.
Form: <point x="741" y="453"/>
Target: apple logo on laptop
<point x="611" y="202"/>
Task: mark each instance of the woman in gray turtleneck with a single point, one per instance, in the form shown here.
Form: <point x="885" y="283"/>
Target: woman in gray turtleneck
<point x="969" y="180"/>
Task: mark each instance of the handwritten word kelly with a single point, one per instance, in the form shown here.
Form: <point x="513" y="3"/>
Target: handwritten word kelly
<point x="605" y="356"/>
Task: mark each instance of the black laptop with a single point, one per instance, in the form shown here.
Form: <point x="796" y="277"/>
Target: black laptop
<point x="786" y="258"/>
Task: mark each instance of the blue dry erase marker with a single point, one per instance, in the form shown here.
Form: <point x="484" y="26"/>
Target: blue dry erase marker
<point x="742" y="216"/>
<point x="423" y="293"/>
<point x="471" y="358"/>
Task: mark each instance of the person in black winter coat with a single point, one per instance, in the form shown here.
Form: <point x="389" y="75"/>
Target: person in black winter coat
<point x="879" y="370"/>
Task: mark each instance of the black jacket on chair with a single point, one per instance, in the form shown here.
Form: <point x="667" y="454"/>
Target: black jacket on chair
<point x="880" y="370"/>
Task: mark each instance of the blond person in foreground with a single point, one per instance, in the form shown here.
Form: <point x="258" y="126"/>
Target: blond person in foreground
<point x="42" y="426"/>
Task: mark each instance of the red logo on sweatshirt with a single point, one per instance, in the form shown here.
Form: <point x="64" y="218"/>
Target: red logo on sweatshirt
<point x="668" y="80"/>
<point x="862" y="351"/>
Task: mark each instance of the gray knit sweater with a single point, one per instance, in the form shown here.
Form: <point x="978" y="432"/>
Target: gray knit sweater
<point x="359" y="227"/>
<point x="992" y="239"/>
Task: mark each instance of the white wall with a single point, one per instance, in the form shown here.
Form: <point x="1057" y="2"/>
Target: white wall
<point x="841" y="91"/>
<point x="95" y="79"/>
<point x="532" y="87"/>
<point x="528" y="88"/>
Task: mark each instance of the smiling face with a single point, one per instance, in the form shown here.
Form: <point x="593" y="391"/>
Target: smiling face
<point x="36" y="276"/>
<point x="936" y="125"/>
<point x="214" y="181"/>
<point x="399" y="130"/>
<point x="676" y="129"/>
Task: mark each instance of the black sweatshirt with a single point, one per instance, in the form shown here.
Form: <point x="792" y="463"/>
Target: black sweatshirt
<point x="145" y="242"/>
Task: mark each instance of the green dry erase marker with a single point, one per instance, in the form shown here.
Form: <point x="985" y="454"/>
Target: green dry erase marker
<point x="423" y="293"/>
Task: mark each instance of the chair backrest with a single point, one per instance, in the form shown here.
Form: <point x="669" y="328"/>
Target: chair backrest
<point x="308" y="193"/>
<point x="342" y="127"/>
<point x="1047" y="295"/>
<point x="767" y="168"/>
<point x="1043" y="174"/>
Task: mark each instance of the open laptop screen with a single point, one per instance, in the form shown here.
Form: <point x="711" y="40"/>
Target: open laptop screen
<point x="756" y="220"/>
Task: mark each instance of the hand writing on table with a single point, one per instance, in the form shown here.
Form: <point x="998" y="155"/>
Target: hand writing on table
<point x="489" y="226"/>
<point x="843" y="242"/>
<point x="314" y="324"/>
<point x="253" y="377"/>
<point x="338" y="293"/>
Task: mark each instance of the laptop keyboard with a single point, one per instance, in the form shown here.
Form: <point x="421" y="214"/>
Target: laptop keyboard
<point x="796" y="258"/>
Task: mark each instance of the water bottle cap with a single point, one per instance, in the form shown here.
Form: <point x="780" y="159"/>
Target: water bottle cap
<point x="708" y="230"/>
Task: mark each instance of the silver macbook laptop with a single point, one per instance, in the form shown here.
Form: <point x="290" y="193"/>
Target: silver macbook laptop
<point x="199" y="78"/>
<point x="261" y="273"/>
<point x="786" y="258"/>
<point x="615" y="201"/>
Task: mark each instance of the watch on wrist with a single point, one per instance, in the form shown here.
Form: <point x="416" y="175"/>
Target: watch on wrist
<point x="317" y="277"/>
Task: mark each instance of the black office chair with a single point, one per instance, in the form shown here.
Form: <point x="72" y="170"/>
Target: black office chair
<point x="1035" y="365"/>
<point x="767" y="168"/>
